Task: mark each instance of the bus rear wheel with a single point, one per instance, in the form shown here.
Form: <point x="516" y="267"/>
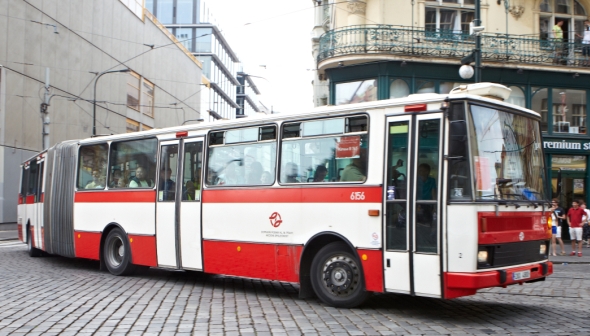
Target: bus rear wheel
<point x="33" y="252"/>
<point x="336" y="276"/>
<point x="117" y="253"/>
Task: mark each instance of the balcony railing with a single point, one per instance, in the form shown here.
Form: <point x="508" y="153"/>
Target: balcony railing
<point x="395" y="40"/>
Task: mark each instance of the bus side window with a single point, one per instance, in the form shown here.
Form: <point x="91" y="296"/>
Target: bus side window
<point x="92" y="163"/>
<point x="133" y="164"/>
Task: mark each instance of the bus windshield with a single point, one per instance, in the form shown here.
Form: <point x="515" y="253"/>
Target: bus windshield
<point x="507" y="155"/>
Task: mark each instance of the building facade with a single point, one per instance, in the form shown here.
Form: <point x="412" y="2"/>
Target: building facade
<point x="193" y="24"/>
<point x="70" y="54"/>
<point x="377" y="49"/>
<point x="247" y="93"/>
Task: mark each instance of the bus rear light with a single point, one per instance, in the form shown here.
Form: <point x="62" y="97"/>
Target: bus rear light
<point x="482" y="257"/>
<point x="373" y="212"/>
<point x="182" y="134"/>
<point x="415" y="108"/>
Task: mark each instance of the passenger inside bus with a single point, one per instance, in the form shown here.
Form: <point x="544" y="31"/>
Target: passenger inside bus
<point x="122" y="183"/>
<point x="115" y="177"/>
<point x="266" y="178"/>
<point x="426" y="185"/>
<point x="320" y="173"/>
<point x="193" y="187"/>
<point x="167" y="185"/>
<point x="255" y="174"/>
<point x="355" y="171"/>
<point x="97" y="181"/>
<point x="140" y="180"/>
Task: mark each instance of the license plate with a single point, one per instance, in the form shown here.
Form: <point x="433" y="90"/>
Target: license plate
<point x="521" y="275"/>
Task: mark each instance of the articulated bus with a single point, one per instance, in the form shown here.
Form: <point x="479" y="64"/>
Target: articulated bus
<point x="434" y="195"/>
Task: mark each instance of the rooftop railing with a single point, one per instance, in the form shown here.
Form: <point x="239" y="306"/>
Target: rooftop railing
<point x="396" y="40"/>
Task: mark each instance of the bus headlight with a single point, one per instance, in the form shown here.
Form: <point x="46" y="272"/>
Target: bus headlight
<point x="542" y="249"/>
<point x="482" y="257"/>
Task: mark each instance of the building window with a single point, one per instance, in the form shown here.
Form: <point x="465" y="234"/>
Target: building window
<point x="356" y="92"/>
<point x="147" y="98"/>
<point x="132" y="126"/>
<point x="133" y="91"/>
<point x="136" y="6"/>
<point x="145" y="127"/>
<point x="516" y="96"/>
<point x="571" y="12"/>
<point x="569" y="111"/>
<point x="185" y="36"/>
<point x="165" y="11"/>
<point x="449" y="15"/>
<point x="399" y="89"/>
<point x="184" y="11"/>
<point x="539" y="104"/>
<point x="203" y="40"/>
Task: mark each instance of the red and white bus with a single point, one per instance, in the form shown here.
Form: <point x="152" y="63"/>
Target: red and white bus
<point x="430" y="195"/>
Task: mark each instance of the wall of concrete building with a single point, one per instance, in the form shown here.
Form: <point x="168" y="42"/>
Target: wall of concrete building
<point x="92" y="35"/>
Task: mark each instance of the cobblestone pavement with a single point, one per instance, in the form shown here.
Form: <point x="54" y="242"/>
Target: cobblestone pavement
<point x="54" y="295"/>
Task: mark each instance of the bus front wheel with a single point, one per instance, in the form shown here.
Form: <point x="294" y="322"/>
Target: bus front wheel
<point x="336" y="276"/>
<point x="117" y="253"/>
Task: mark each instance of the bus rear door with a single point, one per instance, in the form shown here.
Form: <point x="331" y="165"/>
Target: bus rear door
<point x="413" y="188"/>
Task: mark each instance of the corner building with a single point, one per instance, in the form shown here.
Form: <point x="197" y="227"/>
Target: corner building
<point x="378" y="49"/>
<point x="73" y="42"/>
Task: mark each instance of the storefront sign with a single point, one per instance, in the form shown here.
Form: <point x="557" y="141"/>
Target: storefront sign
<point x="565" y="145"/>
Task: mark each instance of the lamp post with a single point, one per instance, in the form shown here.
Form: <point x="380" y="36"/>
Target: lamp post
<point x="466" y="71"/>
<point x="94" y="100"/>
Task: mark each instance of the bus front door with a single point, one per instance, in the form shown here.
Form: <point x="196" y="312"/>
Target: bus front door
<point x="178" y="213"/>
<point x="412" y="221"/>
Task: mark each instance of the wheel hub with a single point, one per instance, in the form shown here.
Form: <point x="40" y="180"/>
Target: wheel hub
<point x="341" y="275"/>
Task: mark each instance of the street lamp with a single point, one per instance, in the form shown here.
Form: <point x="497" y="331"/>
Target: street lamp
<point x="94" y="100"/>
<point x="475" y="28"/>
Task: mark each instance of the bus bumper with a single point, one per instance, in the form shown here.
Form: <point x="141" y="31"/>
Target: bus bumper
<point x="463" y="284"/>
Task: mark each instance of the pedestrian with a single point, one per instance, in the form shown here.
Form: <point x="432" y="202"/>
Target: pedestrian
<point x="585" y="42"/>
<point x="557" y="217"/>
<point x="557" y="40"/>
<point x="586" y="226"/>
<point x="574" y="219"/>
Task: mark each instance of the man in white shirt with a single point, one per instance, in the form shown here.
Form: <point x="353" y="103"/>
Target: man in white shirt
<point x="585" y="43"/>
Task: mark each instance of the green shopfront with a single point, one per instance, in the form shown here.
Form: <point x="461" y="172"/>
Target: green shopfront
<point x="560" y="96"/>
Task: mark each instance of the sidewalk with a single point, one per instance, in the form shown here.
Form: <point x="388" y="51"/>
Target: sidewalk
<point x="8" y="231"/>
<point x="585" y="259"/>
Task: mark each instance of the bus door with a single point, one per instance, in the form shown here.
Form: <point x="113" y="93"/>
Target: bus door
<point x="178" y="209"/>
<point x="412" y="221"/>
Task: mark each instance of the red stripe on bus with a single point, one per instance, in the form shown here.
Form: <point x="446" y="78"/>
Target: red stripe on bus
<point x="42" y="197"/>
<point x="143" y="196"/>
<point x="30" y="199"/>
<point x="372" y="261"/>
<point x="295" y="195"/>
<point x="463" y="284"/>
<point x="511" y="227"/>
<point x="21" y="199"/>
<point x="263" y="261"/>
<point x="143" y="250"/>
<point x="87" y="244"/>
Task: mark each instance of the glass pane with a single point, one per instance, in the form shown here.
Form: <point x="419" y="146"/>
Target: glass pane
<point x="184" y="11"/>
<point x="428" y="145"/>
<point x="545" y="6"/>
<point x="569" y="111"/>
<point x="399" y="89"/>
<point x="250" y="164"/>
<point x="466" y="18"/>
<point x="331" y="159"/>
<point x="430" y="21"/>
<point x="330" y="126"/>
<point x="544" y="28"/>
<point x="168" y="169"/>
<point x="424" y="86"/>
<point x="356" y="92"/>
<point x="241" y="135"/>
<point x="203" y="40"/>
<point x="447" y="20"/>
<point x="92" y="167"/>
<point x="426" y="228"/>
<point x="459" y="171"/>
<point x="539" y="105"/>
<point x="132" y="97"/>
<point x="562" y="6"/>
<point x="516" y="96"/>
<point x="397" y="223"/>
<point x="164" y="11"/>
<point x="193" y="165"/>
<point x="578" y="8"/>
<point x="33" y="178"/>
<point x="507" y="155"/>
<point x="149" y="5"/>
<point x="136" y="162"/>
<point x="185" y="36"/>
<point x="397" y="161"/>
<point x="446" y="87"/>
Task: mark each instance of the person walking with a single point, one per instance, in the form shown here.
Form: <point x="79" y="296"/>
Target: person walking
<point x="557" y="217"/>
<point x="574" y="219"/>
<point x="586" y="226"/>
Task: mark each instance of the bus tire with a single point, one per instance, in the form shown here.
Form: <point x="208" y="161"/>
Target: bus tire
<point x="33" y="252"/>
<point x="117" y="253"/>
<point x="336" y="276"/>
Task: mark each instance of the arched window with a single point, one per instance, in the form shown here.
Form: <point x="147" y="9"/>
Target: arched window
<point x="571" y="12"/>
<point x="449" y="15"/>
<point x="516" y="97"/>
<point x="399" y="89"/>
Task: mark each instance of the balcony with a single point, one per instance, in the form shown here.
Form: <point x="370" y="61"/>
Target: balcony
<point x="395" y="40"/>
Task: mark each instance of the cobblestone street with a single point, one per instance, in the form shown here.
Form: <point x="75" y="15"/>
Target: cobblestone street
<point x="55" y="295"/>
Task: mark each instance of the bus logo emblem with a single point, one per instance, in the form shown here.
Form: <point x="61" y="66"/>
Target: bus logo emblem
<point x="275" y="219"/>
